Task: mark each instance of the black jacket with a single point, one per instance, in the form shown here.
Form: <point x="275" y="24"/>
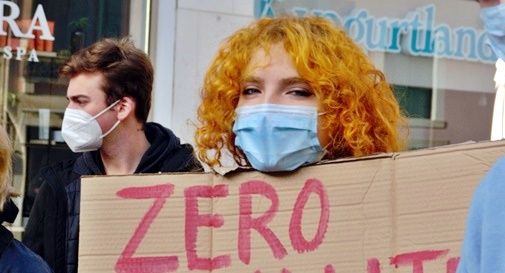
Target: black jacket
<point x="14" y="256"/>
<point x="53" y="228"/>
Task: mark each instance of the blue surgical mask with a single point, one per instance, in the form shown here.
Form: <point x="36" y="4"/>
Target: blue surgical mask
<point x="494" y="24"/>
<point x="277" y="137"/>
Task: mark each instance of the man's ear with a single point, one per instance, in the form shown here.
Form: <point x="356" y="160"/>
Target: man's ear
<point x="125" y="108"/>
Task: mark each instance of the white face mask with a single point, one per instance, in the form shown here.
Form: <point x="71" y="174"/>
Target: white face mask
<point x="81" y="131"/>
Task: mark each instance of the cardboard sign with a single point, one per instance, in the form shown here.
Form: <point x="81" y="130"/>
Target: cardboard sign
<point x="400" y="212"/>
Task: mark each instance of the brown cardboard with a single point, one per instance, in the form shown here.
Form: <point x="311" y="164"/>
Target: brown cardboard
<point x="402" y="212"/>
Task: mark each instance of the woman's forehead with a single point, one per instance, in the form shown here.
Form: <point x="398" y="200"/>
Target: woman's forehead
<point x="263" y="57"/>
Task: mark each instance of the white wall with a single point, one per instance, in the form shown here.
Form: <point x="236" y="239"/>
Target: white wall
<point x="201" y="26"/>
<point x="139" y="9"/>
<point x="162" y="51"/>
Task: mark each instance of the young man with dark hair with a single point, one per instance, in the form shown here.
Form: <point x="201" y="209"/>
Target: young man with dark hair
<point x="109" y="96"/>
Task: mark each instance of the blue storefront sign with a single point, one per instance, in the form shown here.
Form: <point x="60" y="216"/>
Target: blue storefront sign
<point x="416" y="34"/>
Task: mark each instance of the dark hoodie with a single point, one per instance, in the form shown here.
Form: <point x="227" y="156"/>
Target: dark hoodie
<point x="53" y="228"/>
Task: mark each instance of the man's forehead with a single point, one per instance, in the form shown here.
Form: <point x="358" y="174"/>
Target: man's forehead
<point x="88" y="84"/>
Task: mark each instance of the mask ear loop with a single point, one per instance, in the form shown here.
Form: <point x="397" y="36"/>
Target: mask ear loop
<point x="324" y="149"/>
<point x="95" y="116"/>
<point x="103" y="111"/>
<point x="324" y="152"/>
<point x="110" y="130"/>
<point x="106" y="109"/>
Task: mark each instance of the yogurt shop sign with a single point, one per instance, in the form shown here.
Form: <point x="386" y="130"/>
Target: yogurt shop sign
<point x="416" y="34"/>
<point x="13" y="31"/>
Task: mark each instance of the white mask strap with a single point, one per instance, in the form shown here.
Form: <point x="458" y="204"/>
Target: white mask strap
<point x="110" y="130"/>
<point x="103" y="111"/>
<point x="106" y="109"/>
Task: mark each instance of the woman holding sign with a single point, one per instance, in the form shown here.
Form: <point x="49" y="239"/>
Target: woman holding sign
<point x="286" y="92"/>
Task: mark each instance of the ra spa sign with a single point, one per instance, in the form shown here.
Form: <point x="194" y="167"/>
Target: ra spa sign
<point x="416" y="34"/>
<point x="22" y="38"/>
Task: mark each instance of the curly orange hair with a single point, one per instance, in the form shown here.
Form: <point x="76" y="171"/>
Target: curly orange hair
<point x="362" y="115"/>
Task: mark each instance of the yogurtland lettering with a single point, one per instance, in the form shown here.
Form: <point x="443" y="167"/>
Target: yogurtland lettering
<point x="37" y="30"/>
<point x="416" y="34"/>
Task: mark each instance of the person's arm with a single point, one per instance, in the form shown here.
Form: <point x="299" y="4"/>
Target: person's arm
<point x="484" y="242"/>
<point x="469" y="261"/>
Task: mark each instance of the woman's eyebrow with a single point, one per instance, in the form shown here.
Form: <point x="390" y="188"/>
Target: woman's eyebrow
<point x="293" y="81"/>
<point x="252" y="79"/>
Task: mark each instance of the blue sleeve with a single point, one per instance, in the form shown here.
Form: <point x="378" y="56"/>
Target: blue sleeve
<point x="484" y="242"/>
<point x="19" y="259"/>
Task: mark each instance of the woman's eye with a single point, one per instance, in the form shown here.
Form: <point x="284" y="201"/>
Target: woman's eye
<point x="300" y="93"/>
<point x="250" y="91"/>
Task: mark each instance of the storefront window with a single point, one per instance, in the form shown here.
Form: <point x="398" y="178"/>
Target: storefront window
<point x="414" y="101"/>
<point x="37" y="38"/>
<point x="439" y="64"/>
